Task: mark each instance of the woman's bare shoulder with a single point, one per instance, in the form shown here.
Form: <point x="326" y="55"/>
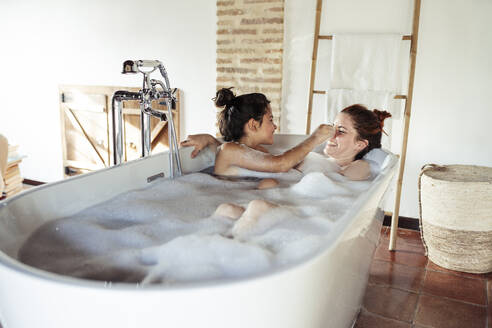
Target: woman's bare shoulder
<point x="233" y="146"/>
<point x="357" y="170"/>
<point x="230" y="146"/>
<point x="231" y="150"/>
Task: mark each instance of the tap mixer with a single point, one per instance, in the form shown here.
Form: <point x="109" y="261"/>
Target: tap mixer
<point x="151" y="90"/>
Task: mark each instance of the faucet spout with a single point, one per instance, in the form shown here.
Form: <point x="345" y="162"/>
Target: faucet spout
<point x="145" y="96"/>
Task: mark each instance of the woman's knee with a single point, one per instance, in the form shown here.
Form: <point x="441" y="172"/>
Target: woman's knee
<point x="260" y="205"/>
<point x="230" y="210"/>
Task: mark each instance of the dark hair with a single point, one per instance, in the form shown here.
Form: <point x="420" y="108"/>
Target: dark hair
<point x="238" y="111"/>
<point x="368" y="124"/>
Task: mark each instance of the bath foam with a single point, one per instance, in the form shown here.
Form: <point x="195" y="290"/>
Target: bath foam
<point x="168" y="233"/>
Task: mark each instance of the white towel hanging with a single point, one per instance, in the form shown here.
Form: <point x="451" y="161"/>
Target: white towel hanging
<point x="365" y="62"/>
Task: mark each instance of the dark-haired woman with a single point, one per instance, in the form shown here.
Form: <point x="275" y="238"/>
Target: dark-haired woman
<point x="246" y="123"/>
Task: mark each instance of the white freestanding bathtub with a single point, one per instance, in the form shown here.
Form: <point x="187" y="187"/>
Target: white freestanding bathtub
<point x="325" y="290"/>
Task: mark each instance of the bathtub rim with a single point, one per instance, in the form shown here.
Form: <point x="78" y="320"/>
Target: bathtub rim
<point x="24" y="193"/>
<point x="339" y="227"/>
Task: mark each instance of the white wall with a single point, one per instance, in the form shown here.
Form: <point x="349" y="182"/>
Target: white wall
<point x="451" y="112"/>
<point x="47" y="43"/>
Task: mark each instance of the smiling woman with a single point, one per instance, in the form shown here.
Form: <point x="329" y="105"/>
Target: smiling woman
<point x="246" y="122"/>
<point x="358" y="130"/>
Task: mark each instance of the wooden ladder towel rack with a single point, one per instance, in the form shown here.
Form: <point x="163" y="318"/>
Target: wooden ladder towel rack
<point x="413" y="38"/>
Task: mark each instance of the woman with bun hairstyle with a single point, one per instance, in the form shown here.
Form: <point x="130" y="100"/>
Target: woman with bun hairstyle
<point x="246" y="123"/>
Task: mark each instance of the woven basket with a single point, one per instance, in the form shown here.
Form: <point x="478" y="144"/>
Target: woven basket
<point x="456" y="216"/>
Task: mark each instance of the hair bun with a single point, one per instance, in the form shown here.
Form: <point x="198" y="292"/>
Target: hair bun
<point x="381" y="115"/>
<point x="224" y="97"/>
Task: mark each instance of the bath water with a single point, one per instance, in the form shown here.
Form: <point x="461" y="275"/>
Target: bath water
<point x="168" y="232"/>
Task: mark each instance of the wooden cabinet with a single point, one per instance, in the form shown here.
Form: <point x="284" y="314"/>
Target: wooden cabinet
<point x="86" y="127"/>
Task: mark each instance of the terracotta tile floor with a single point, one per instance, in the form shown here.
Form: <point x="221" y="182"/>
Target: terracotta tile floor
<point x="407" y="290"/>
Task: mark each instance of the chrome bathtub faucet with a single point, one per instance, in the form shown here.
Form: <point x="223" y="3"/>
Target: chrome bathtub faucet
<point x="145" y="96"/>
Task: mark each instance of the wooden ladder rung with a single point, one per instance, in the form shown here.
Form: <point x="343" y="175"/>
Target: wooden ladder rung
<point x="330" y="37"/>
<point x="324" y="92"/>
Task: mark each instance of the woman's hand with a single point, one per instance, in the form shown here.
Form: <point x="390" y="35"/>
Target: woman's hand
<point x="323" y="132"/>
<point x="199" y="141"/>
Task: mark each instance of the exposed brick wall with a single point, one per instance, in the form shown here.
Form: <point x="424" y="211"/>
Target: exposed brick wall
<point x="250" y="37"/>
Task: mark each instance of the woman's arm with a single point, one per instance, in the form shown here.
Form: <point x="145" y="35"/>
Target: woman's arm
<point x="200" y="141"/>
<point x="233" y="154"/>
<point x="357" y="170"/>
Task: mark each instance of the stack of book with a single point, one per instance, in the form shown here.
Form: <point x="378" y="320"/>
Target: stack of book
<point x="12" y="176"/>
